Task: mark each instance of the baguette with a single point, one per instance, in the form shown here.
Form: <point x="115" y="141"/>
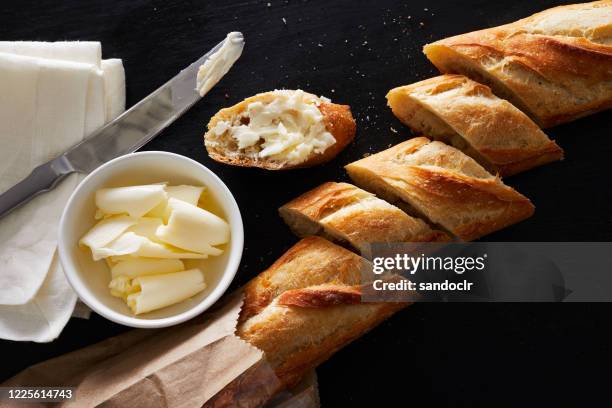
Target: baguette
<point x="443" y="185"/>
<point x="466" y="114"/>
<point x="555" y="65"/>
<point x="312" y="261"/>
<point x="347" y="214"/>
<point x="279" y="130"/>
<point x="306" y="307"/>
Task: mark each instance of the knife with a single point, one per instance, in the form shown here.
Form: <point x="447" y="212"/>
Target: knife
<point x="126" y="134"/>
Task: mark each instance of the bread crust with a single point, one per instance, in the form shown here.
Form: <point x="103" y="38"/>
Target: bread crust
<point x="555" y="65"/>
<point x="444" y="185"/>
<point x="321" y="296"/>
<point x="338" y="121"/>
<point x="345" y="213"/>
<point x="307" y="306"/>
<point x="312" y="261"/>
<point x="462" y="112"/>
<point x="296" y="339"/>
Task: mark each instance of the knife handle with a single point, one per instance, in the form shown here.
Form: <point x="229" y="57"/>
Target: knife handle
<point x="42" y="178"/>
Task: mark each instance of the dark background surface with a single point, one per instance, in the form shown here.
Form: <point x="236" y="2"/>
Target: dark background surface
<point x="354" y="52"/>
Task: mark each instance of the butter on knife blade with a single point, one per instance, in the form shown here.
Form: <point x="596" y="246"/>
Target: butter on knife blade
<point x="219" y="63"/>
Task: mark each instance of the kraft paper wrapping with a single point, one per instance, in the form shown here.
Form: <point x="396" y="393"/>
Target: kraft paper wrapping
<point x="199" y="363"/>
<point x="303" y="395"/>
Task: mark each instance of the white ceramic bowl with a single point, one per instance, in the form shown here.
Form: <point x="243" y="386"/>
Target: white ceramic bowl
<point x="90" y="279"/>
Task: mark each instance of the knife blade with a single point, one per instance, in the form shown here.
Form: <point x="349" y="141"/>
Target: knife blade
<point x="126" y="134"/>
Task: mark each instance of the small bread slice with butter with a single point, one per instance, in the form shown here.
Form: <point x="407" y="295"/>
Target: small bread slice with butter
<point x="347" y="214"/>
<point x="279" y="130"/>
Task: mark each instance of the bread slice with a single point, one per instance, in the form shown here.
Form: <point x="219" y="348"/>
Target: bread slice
<point x="347" y="214"/>
<point x="555" y="65"/>
<point x="312" y="261"/>
<point x="278" y="130"/>
<point x="440" y="183"/>
<point x="306" y="307"/>
<point x="456" y="110"/>
<point x="297" y="337"/>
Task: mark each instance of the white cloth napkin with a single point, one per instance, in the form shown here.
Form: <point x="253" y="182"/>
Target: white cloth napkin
<point x="114" y="87"/>
<point x="42" y="112"/>
<point x="44" y="317"/>
<point x="87" y="52"/>
<point x="46" y="105"/>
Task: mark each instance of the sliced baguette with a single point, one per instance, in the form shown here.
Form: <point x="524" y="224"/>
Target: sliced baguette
<point x="304" y="327"/>
<point x="555" y="65"/>
<point x="307" y="306"/>
<point x="440" y="183"/>
<point x="347" y="214"/>
<point x="458" y="111"/>
<point x="312" y="261"/>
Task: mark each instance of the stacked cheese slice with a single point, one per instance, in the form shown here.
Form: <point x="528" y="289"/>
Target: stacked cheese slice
<point x="52" y="95"/>
<point x="144" y="233"/>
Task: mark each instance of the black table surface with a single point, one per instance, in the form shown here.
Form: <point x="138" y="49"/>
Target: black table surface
<point x="353" y="52"/>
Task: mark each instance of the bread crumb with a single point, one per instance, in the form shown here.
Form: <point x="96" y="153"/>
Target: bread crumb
<point x="393" y="130"/>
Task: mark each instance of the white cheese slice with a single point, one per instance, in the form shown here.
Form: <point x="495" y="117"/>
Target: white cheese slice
<point x="135" y="201"/>
<point x="140" y="267"/>
<point x="106" y="231"/>
<point x="121" y="286"/>
<point x="126" y="244"/>
<point x="156" y="291"/>
<point x="152" y="249"/>
<point x="193" y="229"/>
<point x="147" y="227"/>
<point x="138" y="246"/>
<point x="189" y="194"/>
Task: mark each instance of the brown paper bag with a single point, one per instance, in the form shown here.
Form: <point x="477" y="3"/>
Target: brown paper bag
<point x="181" y="366"/>
<point x="303" y="395"/>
